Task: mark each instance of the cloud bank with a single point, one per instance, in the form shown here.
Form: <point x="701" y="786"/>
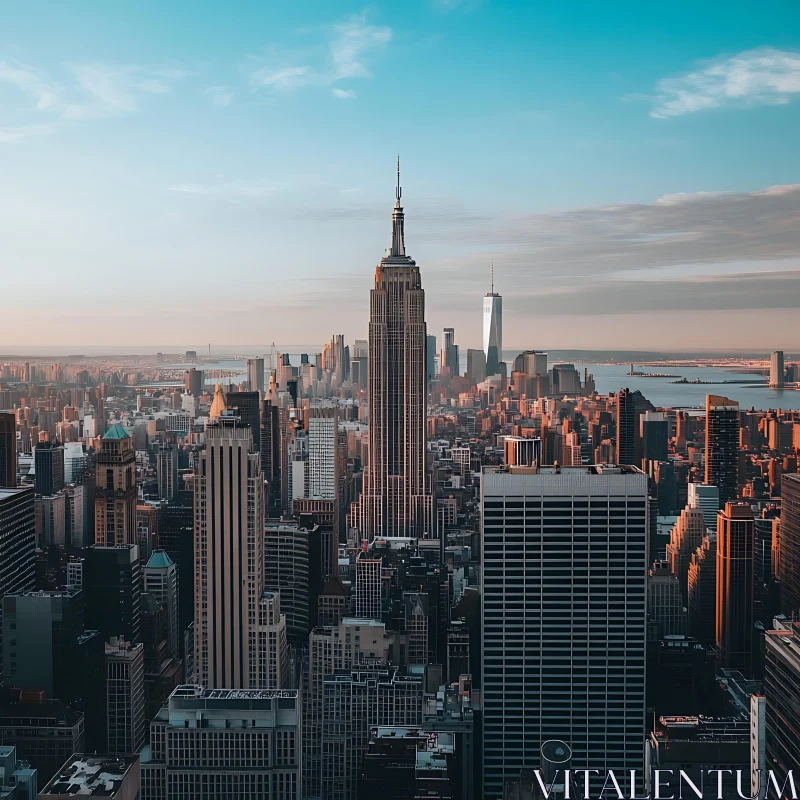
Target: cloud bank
<point x="764" y="76"/>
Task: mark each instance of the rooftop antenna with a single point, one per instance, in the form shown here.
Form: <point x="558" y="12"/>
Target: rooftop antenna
<point x="492" y="277"/>
<point x="398" y="191"/>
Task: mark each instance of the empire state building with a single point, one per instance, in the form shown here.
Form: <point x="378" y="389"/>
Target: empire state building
<point x="395" y="500"/>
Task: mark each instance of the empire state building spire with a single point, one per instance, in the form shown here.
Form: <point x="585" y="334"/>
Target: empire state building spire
<point x="398" y="244"/>
<point x="396" y="499"/>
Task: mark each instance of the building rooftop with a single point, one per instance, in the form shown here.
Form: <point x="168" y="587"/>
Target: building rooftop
<point x="6" y="492"/>
<point x="159" y="560"/>
<point x="49" y="714"/>
<point x="701" y="729"/>
<point x="90" y="776"/>
<point x="193" y="691"/>
<point x="363" y="622"/>
<point x="116" y="431"/>
<point x="554" y="469"/>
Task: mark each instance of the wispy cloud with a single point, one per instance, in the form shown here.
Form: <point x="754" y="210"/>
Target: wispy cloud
<point x="344" y="56"/>
<point x="229" y="190"/>
<point x="86" y="91"/>
<point x="283" y="78"/>
<point x="220" y="95"/>
<point x="764" y="76"/>
<point x="452" y="5"/>
<point x="352" y="42"/>
<point x="29" y="81"/>
<point x="11" y="135"/>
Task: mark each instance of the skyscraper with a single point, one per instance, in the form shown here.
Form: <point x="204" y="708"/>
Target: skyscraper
<point x="686" y="537"/>
<point x="532" y="363"/>
<point x="17" y="543"/>
<point x="776" y="370"/>
<point x="255" y="375"/>
<point x="125" y="696"/>
<point x="430" y="357"/>
<point x="353" y="702"/>
<point x="115" y="492"/>
<point x="287" y="561"/>
<point x="167" y="471"/>
<point x="323" y="445"/>
<point x="368" y="586"/>
<point x="654" y="432"/>
<point x="735" y="536"/>
<point x="665" y="604"/>
<point x="43" y="629"/>
<point x="782" y="690"/>
<point x="448" y="358"/>
<point x="49" y="465"/>
<point x="342" y="647"/>
<point x="247" y="406"/>
<point x="396" y="500"/>
<point x="8" y="449"/>
<point x="626" y="428"/>
<point x="270" y="441"/>
<point x="789" y="537"/>
<point x="551" y="539"/>
<point x="722" y="446"/>
<point x="702" y="591"/>
<point x="160" y="577"/>
<point x="112" y="580"/>
<point x="493" y="330"/>
<point x="193" y="381"/>
<point x="229" y="557"/>
<point x="705" y="498"/>
<point x="476" y="366"/>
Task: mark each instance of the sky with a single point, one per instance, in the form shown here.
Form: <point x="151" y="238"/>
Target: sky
<point x="187" y="172"/>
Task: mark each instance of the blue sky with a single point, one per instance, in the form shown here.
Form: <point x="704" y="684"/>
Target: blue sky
<point x="177" y="172"/>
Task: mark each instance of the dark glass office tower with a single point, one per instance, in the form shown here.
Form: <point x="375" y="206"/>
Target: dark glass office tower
<point x="563" y="544"/>
<point x="8" y="449"/>
<point x="654" y="431"/>
<point x="782" y="692"/>
<point x="722" y="446"/>
<point x="247" y="406"/>
<point x="113" y="585"/>
<point x="626" y="428"/>
<point x="735" y="537"/>
<point x="790" y="546"/>
<point x="49" y="465"/>
<point x="17" y="543"/>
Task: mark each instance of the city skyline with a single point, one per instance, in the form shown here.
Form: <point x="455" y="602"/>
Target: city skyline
<point x="615" y="184"/>
<point x="446" y="552"/>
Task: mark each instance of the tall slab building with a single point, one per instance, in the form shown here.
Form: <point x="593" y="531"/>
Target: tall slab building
<point x="722" y="446"/>
<point x="396" y="500"/>
<point x="789" y="568"/>
<point x="229" y="558"/>
<point x="564" y="555"/>
<point x="735" y="590"/>
<point x="8" y="449"/>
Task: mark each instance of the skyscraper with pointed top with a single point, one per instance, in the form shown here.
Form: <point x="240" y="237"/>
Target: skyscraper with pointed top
<point x="396" y="500"/>
<point x="493" y="330"/>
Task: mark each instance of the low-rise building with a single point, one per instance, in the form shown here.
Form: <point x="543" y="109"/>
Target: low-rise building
<point x="211" y="743"/>
<point x="17" y="779"/>
<point x="45" y="734"/>
<point x="111" y="777"/>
